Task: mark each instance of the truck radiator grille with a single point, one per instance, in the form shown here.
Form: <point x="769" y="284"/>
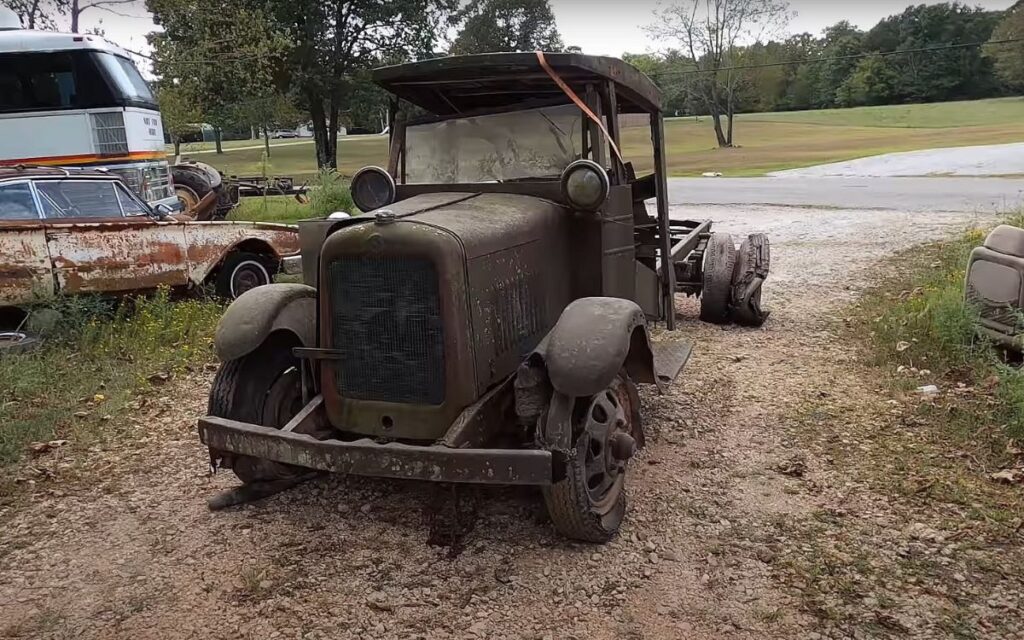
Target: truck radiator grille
<point x="386" y="318"/>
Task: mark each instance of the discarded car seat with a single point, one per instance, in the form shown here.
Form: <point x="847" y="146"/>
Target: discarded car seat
<point x="995" y="284"/>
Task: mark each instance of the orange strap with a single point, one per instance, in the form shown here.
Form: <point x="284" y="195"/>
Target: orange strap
<point x="579" y="103"/>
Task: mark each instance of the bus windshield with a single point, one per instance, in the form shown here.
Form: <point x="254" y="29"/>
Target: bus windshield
<point x="127" y="78"/>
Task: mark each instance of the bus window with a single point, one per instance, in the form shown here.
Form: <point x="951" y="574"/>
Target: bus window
<point x="55" y="80"/>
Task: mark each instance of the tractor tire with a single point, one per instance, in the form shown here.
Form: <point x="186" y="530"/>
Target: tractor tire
<point x="716" y="293"/>
<point x="589" y="503"/>
<point x="752" y="264"/>
<point x="190" y="187"/>
<point x="243" y="271"/>
<point x="259" y="388"/>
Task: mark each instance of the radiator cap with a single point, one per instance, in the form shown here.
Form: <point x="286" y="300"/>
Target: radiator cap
<point x="384" y="216"/>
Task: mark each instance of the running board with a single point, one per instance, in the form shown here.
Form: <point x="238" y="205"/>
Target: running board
<point x="670" y="356"/>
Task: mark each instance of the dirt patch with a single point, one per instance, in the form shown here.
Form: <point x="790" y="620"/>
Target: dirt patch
<point x="750" y="516"/>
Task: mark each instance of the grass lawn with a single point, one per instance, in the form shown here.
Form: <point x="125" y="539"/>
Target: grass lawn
<point x="767" y="141"/>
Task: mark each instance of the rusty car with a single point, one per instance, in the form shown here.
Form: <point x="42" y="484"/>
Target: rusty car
<point x="487" y="320"/>
<point x="76" y="231"/>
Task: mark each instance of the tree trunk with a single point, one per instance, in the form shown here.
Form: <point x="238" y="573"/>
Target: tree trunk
<point x="266" y="140"/>
<point x="319" y="118"/>
<point x="75" y="12"/>
<point x="730" y="113"/>
<point x="332" y="133"/>
<point x="217" y="139"/>
<point x="177" y="146"/>
<point x="716" y="114"/>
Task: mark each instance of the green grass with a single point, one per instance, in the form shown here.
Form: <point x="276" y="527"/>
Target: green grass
<point x="938" y="115"/>
<point x="99" y="357"/>
<point x="766" y="141"/>
<point x="920" y="322"/>
<point x="330" y="194"/>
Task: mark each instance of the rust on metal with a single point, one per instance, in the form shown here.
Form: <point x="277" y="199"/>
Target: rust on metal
<point x="366" y="457"/>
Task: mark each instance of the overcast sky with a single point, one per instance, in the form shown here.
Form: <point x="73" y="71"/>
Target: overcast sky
<point x="597" y="26"/>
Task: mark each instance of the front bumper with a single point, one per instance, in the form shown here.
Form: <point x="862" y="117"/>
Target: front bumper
<point x="368" y="458"/>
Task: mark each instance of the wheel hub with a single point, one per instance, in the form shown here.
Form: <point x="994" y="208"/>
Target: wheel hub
<point x="609" y="447"/>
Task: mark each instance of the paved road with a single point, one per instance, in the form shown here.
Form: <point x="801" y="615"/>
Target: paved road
<point x="903" y="194"/>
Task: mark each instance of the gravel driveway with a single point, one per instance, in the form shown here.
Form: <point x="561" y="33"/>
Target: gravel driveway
<point x="707" y="551"/>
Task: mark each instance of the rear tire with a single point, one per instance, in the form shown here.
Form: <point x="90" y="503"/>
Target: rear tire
<point x="249" y="390"/>
<point x="719" y="260"/>
<point x="243" y="271"/>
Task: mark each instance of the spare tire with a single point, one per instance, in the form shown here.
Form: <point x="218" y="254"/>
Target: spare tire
<point x="719" y="261"/>
<point x="752" y="264"/>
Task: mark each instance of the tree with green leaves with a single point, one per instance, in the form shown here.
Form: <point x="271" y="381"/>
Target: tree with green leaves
<point x="507" y="25"/>
<point x="221" y="53"/>
<point x="178" y="112"/>
<point x="1009" y="57"/>
<point x="268" y="110"/>
<point x="711" y="33"/>
<point x="332" y="40"/>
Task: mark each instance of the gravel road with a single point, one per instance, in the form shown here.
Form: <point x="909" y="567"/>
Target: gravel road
<point x="983" y="160"/>
<point x="123" y="546"/>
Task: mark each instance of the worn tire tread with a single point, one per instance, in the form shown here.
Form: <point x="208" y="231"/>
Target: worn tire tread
<point x="717" y="289"/>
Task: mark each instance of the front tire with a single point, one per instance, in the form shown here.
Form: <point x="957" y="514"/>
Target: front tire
<point x="719" y="261"/>
<point x="264" y="388"/>
<point x="589" y="503"/>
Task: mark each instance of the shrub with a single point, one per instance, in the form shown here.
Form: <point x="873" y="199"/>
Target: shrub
<point x="330" y="194"/>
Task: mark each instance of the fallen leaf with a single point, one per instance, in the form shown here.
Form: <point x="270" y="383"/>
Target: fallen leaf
<point x="902" y="346"/>
<point x="1008" y="476"/>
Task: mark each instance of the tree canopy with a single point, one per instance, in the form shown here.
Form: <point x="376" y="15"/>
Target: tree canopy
<point x="507" y="25"/>
<point x="1008" y="58"/>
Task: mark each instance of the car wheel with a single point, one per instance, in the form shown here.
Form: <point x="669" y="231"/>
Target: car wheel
<point x="242" y="272"/>
<point x="589" y="503"/>
<point x="719" y="259"/>
<point x="264" y="388"/>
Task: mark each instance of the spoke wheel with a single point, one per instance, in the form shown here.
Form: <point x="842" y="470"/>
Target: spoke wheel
<point x="590" y="502"/>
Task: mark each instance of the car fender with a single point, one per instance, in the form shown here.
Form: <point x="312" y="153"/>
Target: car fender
<point x="209" y="243"/>
<point x="593" y="340"/>
<point x="259" y="312"/>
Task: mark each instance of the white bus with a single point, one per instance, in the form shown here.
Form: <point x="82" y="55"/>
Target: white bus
<point x="78" y="100"/>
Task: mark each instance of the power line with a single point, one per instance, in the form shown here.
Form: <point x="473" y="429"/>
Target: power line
<point x="852" y="56"/>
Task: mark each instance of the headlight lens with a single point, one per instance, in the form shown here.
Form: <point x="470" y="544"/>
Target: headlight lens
<point x="372" y="188"/>
<point x="585" y="185"/>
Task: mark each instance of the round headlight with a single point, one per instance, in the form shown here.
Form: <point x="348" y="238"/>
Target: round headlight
<point x="372" y="188"/>
<point x="585" y="185"/>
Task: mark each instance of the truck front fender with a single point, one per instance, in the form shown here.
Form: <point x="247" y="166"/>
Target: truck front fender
<point x="259" y="312"/>
<point x="593" y="340"/>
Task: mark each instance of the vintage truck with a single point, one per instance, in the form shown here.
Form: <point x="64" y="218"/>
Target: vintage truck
<point x="487" y="320"/>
